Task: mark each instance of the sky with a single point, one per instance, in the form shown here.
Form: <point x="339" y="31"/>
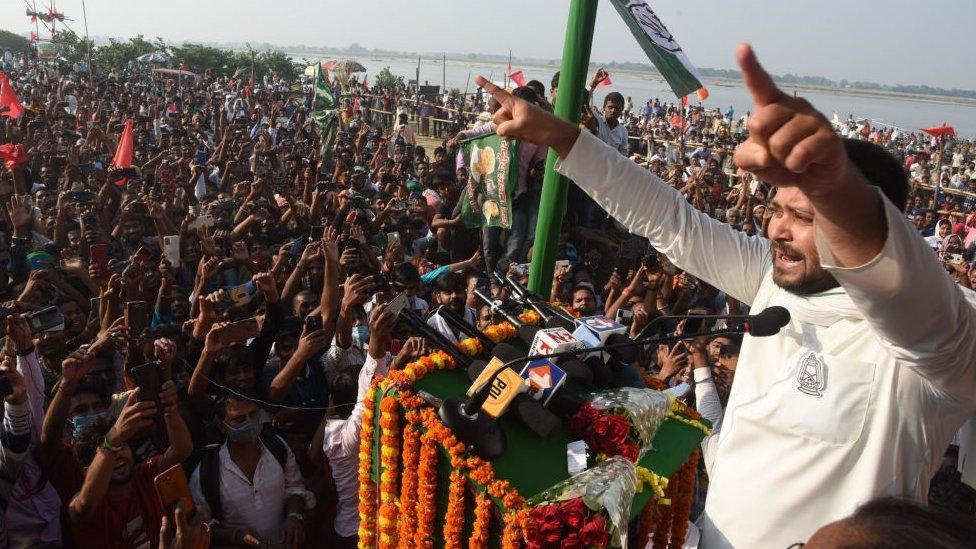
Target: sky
<point x="884" y="41"/>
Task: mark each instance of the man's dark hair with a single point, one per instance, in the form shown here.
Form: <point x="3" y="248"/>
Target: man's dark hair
<point x="554" y="83"/>
<point x="88" y="441"/>
<point x="894" y="523"/>
<point x="407" y="273"/>
<point x="881" y="169"/>
<point x="527" y="93"/>
<point x="614" y="97"/>
<point x="239" y="395"/>
<point x="96" y="386"/>
<point x="345" y="388"/>
<point x="539" y="88"/>
<point x="448" y="282"/>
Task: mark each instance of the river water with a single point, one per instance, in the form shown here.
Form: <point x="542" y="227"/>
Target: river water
<point x="905" y="113"/>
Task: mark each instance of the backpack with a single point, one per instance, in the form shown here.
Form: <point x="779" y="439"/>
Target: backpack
<point x="210" y="470"/>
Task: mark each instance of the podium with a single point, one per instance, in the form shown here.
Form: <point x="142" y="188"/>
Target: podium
<point x="419" y="487"/>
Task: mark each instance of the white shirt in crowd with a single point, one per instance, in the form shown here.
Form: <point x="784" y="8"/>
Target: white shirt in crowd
<point x="436" y="322"/>
<point x="258" y="503"/>
<point x="856" y="398"/>
<point x="340" y="443"/>
<point x="616" y="137"/>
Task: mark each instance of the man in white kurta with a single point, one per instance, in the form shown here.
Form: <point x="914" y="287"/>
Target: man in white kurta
<point x="859" y="395"/>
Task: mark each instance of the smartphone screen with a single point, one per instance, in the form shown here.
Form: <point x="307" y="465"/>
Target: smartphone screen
<point x="45" y="319"/>
<point x="237" y="332"/>
<point x="397" y="304"/>
<point x="136" y="317"/>
<point x="99" y="257"/>
<point x="148" y="378"/>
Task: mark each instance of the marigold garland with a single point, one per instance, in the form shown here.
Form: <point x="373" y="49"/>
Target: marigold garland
<point x="514" y="527"/>
<point x="471" y="346"/>
<point x="367" y="490"/>
<point x="530" y="317"/>
<point x="426" y="488"/>
<point x="408" y="485"/>
<point x="500" y="332"/>
<point x="454" y="516"/>
<point x="482" y="522"/>
<point x="682" y="500"/>
<point x="390" y="461"/>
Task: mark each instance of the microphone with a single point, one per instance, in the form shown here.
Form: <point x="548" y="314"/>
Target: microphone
<point x="545" y="379"/>
<point x="476" y="428"/>
<point x="438" y="338"/>
<point x="768" y="322"/>
<point x="530" y="411"/>
<point x="550" y="340"/>
<point x="526" y="332"/>
<point x="551" y="315"/>
<point x="458" y="322"/>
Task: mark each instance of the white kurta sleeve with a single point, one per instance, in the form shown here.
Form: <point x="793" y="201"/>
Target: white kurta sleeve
<point x="706" y="248"/>
<point x="918" y="313"/>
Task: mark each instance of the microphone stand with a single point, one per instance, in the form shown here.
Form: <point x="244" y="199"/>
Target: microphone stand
<point x="462" y="325"/>
<point x="472" y="426"/>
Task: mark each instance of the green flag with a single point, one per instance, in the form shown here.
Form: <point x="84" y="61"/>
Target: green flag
<point x="661" y="47"/>
<point x="492" y="181"/>
<point x="324" y="114"/>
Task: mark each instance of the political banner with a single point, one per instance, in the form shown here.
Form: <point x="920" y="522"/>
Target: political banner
<point x="492" y="181"/>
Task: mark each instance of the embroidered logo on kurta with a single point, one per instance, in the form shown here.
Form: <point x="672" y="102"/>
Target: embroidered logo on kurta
<point x="812" y="375"/>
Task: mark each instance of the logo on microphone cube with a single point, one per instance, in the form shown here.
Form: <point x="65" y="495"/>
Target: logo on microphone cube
<point x="544" y="379"/>
<point x="504" y="388"/>
<point x="554" y="340"/>
<point x="602" y="326"/>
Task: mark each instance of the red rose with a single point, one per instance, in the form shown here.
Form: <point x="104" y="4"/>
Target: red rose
<point x="533" y="531"/>
<point x="573" y="513"/>
<point x="594" y="532"/>
<point x="629" y="450"/>
<point x="583" y="419"/>
<point x="617" y="428"/>
<point x="552" y="525"/>
<point x="571" y="541"/>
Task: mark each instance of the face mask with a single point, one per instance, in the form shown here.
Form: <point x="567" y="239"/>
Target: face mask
<point x="245" y="433"/>
<point x="80" y="421"/>
<point x="360" y="335"/>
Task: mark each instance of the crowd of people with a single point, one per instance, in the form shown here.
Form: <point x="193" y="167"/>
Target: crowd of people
<point x="251" y="273"/>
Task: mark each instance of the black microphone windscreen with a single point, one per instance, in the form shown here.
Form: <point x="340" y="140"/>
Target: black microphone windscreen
<point x="576" y="369"/>
<point x="602" y="375"/>
<point x="565" y="404"/>
<point x="475" y="369"/>
<point x="560" y="322"/>
<point x="527" y="333"/>
<point x="506" y="353"/>
<point x="535" y="416"/>
<point x="623" y="354"/>
<point x="769" y="321"/>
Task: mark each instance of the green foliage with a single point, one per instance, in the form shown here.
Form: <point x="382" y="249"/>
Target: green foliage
<point x="117" y="54"/>
<point x="386" y="79"/>
<point x="12" y="42"/>
<point x="72" y="47"/>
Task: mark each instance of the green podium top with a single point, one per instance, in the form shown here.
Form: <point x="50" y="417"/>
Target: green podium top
<point x="532" y="464"/>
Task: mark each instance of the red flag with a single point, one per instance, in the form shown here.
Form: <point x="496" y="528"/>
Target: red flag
<point x="605" y="82"/>
<point x="684" y="100"/>
<point x="123" y="154"/>
<point x="939" y="131"/>
<point x="13" y="156"/>
<point x="327" y="65"/>
<point x="518" y="77"/>
<point x="33" y="37"/>
<point x="9" y="104"/>
<point x="33" y="19"/>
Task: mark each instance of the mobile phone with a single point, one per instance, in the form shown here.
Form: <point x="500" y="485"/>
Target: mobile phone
<point x="89" y="221"/>
<point x="561" y="263"/>
<point x="172" y="488"/>
<point x="203" y="221"/>
<point x="142" y="255"/>
<point x="650" y="262"/>
<point x="80" y="197"/>
<point x="171" y="249"/>
<point x="148" y="378"/>
<point x="397" y="304"/>
<point x="45" y="319"/>
<point x="393" y="238"/>
<point x="313" y="323"/>
<point x="239" y="331"/>
<point x="6" y="388"/>
<point x="953" y="258"/>
<point x="316" y="232"/>
<point x="326" y="187"/>
<point x="98" y="254"/>
<point x="136" y="317"/>
<point x="625" y="316"/>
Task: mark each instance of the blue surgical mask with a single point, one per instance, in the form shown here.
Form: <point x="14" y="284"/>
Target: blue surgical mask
<point x="80" y="421"/>
<point x="360" y="335"/>
<point x="245" y="433"/>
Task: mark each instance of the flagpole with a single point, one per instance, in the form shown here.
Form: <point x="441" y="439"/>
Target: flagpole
<point x="84" y="13"/>
<point x="444" y="72"/>
<point x="552" y="206"/>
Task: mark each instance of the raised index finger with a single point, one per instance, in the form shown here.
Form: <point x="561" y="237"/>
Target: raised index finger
<point x="760" y="84"/>
<point x="499" y="94"/>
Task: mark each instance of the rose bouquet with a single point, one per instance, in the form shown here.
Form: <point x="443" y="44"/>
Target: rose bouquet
<point x="584" y="511"/>
<point x="621" y="422"/>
